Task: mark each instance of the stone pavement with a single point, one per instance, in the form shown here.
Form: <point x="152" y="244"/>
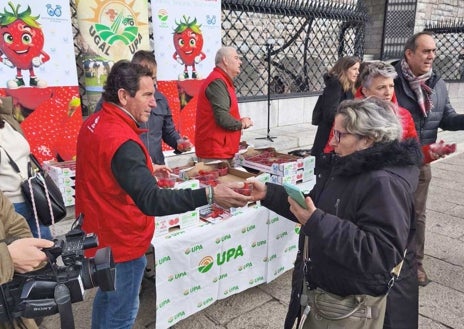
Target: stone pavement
<point x="441" y="302"/>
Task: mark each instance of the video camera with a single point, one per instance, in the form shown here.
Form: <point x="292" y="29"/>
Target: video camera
<point x="53" y="288"/>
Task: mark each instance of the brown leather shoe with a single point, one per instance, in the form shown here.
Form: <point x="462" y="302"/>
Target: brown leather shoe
<point x="422" y="277"/>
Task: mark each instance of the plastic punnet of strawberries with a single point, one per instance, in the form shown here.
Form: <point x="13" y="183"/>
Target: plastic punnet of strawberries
<point x="165" y="180"/>
<point x="441" y="148"/>
<point x="245" y="190"/>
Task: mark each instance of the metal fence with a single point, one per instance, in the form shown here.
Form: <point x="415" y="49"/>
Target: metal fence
<point x="449" y="37"/>
<point x="398" y="26"/>
<point x="304" y="38"/>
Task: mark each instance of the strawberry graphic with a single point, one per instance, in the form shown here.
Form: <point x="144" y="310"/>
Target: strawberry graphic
<point x="188" y="42"/>
<point x="52" y="128"/>
<point x="22" y="44"/>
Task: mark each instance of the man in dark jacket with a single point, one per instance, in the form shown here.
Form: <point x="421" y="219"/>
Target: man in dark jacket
<point x="160" y="125"/>
<point x="421" y="91"/>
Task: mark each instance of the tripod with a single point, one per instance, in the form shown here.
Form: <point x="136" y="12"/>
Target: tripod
<point x="269" y="46"/>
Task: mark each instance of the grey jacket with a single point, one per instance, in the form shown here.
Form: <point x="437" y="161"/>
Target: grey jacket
<point x="442" y="114"/>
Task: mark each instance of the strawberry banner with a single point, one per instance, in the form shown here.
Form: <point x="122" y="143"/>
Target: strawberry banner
<point x="187" y="36"/>
<point x="37" y="67"/>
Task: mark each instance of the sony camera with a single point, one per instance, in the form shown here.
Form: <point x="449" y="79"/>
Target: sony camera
<point x="40" y="293"/>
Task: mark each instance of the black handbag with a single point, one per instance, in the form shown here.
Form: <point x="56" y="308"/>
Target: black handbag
<point x="42" y="194"/>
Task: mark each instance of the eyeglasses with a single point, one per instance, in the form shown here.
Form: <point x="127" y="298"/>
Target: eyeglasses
<point x="338" y="135"/>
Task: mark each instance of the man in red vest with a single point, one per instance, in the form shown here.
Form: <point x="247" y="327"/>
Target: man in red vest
<point x="218" y="122"/>
<point x="118" y="194"/>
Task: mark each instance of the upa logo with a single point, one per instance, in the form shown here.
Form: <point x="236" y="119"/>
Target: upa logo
<point x="248" y="228"/>
<point x="163" y="15"/>
<point x="193" y="249"/>
<point x="290" y="248"/>
<point x="163" y="303"/>
<point x="164" y="260"/>
<point x="206" y="302"/>
<point x="244" y="267"/>
<point x="223" y="238"/>
<point x="206" y="263"/>
<point x="258" y="243"/>
<point x="228" y="255"/>
<point x="281" y="235"/>
<point x="177" y="276"/>
<point x="177" y="316"/>
<point x="231" y="290"/>
<point x="256" y="280"/>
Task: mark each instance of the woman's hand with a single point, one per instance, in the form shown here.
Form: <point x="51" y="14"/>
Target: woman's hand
<point x="300" y="213"/>
<point x="259" y="189"/>
<point x="27" y="253"/>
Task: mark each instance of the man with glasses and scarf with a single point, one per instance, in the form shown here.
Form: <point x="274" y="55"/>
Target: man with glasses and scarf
<point x="423" y="92"/>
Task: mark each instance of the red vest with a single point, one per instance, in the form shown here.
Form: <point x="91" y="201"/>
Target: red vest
<point x="108" y="210"/>
<point x="211" y="140"/>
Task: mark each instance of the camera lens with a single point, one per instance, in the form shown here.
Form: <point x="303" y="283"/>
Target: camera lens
<point x="99" y="271"/>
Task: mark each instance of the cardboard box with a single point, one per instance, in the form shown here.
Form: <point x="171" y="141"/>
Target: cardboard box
<point x="300" y="177"/>
<point x="166" y="224"/>
<point x="269" y="160"/>
<point x="233" y="174"/>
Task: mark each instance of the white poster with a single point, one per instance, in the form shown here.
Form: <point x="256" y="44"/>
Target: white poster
<point x="36" y="47"/>
<point x="187" y="36"/>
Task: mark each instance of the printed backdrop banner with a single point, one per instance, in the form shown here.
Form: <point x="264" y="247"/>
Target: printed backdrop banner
<point x="111" y="30"/>
<point x="37" y="65"/>
<point x="187" y="35"/>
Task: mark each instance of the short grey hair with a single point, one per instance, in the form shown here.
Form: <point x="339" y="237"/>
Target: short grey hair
<point x="372" y="118"/>
<point x="221" y="53"/>
<point x="376" y="69"/>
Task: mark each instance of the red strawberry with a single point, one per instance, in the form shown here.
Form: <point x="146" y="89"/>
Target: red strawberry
<point x="188" y="41"/>
<point x="22" y="38"/>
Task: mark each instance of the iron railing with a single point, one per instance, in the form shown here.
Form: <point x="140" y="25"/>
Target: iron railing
<point x="449" y="38"/>
<point x="304" y="38"/>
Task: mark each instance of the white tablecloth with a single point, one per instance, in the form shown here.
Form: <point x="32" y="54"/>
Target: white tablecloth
<point x="199" y="265"/>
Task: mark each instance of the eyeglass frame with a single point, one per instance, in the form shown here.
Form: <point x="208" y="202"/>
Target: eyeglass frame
<point x="338" y="135"/>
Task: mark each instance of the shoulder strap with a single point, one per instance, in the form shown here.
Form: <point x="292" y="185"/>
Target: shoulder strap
<point x="11" y="161"/>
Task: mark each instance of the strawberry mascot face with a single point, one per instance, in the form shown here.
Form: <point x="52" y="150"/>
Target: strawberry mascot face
<point x="188" y="45"/>
<point x="188" y="42"/>
<point x="21" y="44"/>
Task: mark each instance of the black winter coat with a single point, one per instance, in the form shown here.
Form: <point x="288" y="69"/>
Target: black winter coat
<point x="331" y="97"/>
<point x="363" y="223"/>
<point x="442" y="114"/>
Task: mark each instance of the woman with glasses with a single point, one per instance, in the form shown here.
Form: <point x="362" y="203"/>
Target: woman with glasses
<point x="359" y="217"/>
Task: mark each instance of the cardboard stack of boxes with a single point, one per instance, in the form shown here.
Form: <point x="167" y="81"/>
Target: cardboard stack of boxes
<point x="283" y="168"/>
<point x="63" y="174"/>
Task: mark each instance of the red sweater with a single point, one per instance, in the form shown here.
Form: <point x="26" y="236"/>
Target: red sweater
<point x="211" y="140"/>
<point x="108" y="210"/>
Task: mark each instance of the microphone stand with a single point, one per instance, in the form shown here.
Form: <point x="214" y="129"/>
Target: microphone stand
<point x="269" y="46"/>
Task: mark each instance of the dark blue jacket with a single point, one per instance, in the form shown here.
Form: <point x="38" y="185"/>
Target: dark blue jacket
<point x="442" y="114"/>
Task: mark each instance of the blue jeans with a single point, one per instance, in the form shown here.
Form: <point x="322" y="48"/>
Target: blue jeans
<point x="25" y="210"/>
<point x="118" y="309"/>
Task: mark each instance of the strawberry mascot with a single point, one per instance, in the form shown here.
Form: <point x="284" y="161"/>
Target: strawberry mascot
<point x="188" y="42"/>
<point x="21" y="43"/>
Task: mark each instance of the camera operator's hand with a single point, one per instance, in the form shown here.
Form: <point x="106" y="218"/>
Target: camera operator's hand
<point x="27" y="253"/>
